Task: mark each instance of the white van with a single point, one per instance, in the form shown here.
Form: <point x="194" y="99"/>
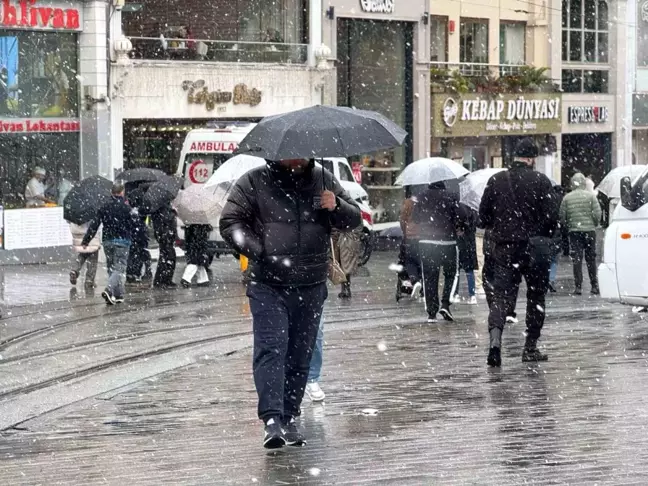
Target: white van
<point x="205" y="149"/>
<point x="623" y="274"/>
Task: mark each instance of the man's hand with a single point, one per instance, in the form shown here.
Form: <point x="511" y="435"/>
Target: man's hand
<point x="329" y="200"/>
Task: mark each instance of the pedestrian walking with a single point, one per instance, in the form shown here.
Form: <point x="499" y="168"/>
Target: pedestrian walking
<point x="313" y="388"/>
<point x="519" y="211"/>
<point x="88" y="255"/>
<point x="438" y="218"/>
<point x="139" y="258"/>
<point x="467" y="246"/>
<point x="410" y="258"/>
<point x="580" y="213"/>
<point x="197" y="253"/>
<point x="165" y="228"/>
<point x="279" y="217"/>
<point x="488" y="275"/>
<point x="116" y="218"/>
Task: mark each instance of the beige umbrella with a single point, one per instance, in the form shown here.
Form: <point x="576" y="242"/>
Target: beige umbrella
<point x="199" y="204"/>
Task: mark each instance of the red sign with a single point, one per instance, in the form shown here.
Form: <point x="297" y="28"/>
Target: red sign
<point x="198" y="172"/>
<point x="36" y="125"/>
<point x="23" y="14"/>
<point x="357" y="172"/>
<point x="219" y="147"/>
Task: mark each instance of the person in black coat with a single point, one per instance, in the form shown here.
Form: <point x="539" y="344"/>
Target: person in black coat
<point x="280" y="217"/>
<point x="197" y="253"/>
<point x="467" y="246"/>
<point x="138" y="255"/>
<point x="165" y="228"/>
<point x="520" y="213"/>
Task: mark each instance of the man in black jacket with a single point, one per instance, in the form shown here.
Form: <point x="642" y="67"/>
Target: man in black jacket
<point x="280" y="216"/>
<point x="519" y="211"/>
<point x="117" y="219"/>
<point x="165" y="228"/>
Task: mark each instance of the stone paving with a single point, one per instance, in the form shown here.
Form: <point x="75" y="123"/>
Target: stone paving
<point x="407" y="403"/>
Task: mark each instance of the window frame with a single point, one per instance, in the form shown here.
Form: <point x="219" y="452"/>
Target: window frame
<point x="582" y="79"/>
<point x="443" y="22"/>
<point x="463" y="22"/>
<point x="581" y="31"/>
<point x="503" y="24"/>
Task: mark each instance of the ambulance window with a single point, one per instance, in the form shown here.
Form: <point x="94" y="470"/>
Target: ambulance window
<point x="345" y="173"/>
<point x="328" y="165"/>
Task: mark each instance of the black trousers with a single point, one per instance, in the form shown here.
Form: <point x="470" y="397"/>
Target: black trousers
<point x="196" y="242"/>
<point x="166" y="263"/>
<point x="583" y="242"/>
<point x="412" y="261"/>
<point x="138" y="257"/>
<point x="285" y="323"/>
<point x="512" y="262"/>
<point x="434" y="258"/>
<point x="488" y="274"/>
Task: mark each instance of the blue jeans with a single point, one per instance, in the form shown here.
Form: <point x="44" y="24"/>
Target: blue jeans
<point x="553" y="271"/>
<point x="470" y="276"/>
<point x="316" y="360"/>
<point x="116" y="261"/>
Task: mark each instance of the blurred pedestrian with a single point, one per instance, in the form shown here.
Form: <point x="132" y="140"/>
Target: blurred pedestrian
<point x="279" y="217"/>
<point x="313" y="388"/>
<point x="88" y="255"/>
<point x="139" y="258"/>
<point x="197" y="253"/>
<point x="438" y="219"/>
<point x="580" y="213"/>
<point x="35" y="190"/>
<point x="519" y="210"/>
<point x="347" y="253"/>
<point x="116" y="217"/>
<point x="165" y="228"/>
<point x="467" y="246"/>
<point x="409" y="245"/>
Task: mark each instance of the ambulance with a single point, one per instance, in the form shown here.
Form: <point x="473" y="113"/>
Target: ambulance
<point x="205" y="149"/>
<point x="623" y="274"/>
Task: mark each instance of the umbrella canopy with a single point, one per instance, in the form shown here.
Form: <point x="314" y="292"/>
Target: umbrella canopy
<point x="472" y="189"/>
<point x="140" y="175"/>
<point x="161" y="193"/>
<point x="199" y="204"/>
<point x="430" y="170"/>
<point x="611" y="183"/>
<point x="85" y="199"/>
<point x="234" y="168"/>
<point x="321" y="131"/>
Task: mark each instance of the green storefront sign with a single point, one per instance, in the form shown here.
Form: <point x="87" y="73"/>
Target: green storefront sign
<point x="484" y="115"/>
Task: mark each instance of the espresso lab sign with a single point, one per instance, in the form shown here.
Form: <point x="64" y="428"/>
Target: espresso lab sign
<point x="476" y="115"/>
<point x="33" y="14"/>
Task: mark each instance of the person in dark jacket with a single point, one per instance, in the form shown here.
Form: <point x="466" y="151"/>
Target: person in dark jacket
<point x="138" y="256"/>
<point x="165" y="228"/>
<point x="197" y="252"/>
<point x="117" y="218"/>
<point x="467" y="246"/>
<point x="280" y="217"/>
<point x="438" y="219"/>
<point x="519" y="210"/>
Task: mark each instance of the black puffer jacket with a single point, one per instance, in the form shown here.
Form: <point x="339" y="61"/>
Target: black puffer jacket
<point x="269" y="218"/>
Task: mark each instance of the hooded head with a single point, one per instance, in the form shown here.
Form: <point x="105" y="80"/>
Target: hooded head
<point x="526" y="151"/>
<point x="291" y="172"/>
<point x="578" y="181"/>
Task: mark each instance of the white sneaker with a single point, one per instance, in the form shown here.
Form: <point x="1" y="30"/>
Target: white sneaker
<point x="512" y="320"/>
<point x="455" y="299"/>
<point x="416" y="290"/>
<point x="314" y="392"/>
<point x="472" y="300"/>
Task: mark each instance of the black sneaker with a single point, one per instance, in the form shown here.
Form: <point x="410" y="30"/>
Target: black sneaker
<point x="552" y="287"/>
<point x="274" y="435"/>
<point x="110" y="300"/>
<point x="446" y="314"/>
<point x="595" y="291"/>
<point x="292" y="435"/>
<point x="577" y="291"/>
<point x="532" y="355"/>
<point x="73" y="277"/>
<point x="494" y="357"/>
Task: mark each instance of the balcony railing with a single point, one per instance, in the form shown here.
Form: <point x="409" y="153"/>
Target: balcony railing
<point x="160" y="48"/>
<point x="473" y="69"/>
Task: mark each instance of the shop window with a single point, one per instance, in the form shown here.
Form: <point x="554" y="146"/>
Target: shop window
<point x="585" y="81"/>
<point x="585" y="31"/>
<point x="473" y="38"/>
<point x="250" y="31"/>
<point x="438" y="39"/>
<point x="57" y="153"/>
<point x="38" y="77"/>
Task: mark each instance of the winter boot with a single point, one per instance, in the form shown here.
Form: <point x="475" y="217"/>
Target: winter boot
<point x="495" y="354"/>
<point x="531" y="352"/>
<point x="346" y="289"/>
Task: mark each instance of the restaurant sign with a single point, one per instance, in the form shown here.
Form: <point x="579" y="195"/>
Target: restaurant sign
<point x="39" y="125"/>
<point x="198" y="93"/>
<point x="475" y="115"/>
<point x="30" y="14"/>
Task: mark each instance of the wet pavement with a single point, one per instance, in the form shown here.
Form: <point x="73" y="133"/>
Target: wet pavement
<point x="159" y="391"/>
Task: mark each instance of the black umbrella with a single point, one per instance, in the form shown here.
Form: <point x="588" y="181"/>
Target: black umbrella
<point x="161" y="193"/>
<point x="140" y="175"/>
<point x="85" y="199"/>
<point x="321" y="131"/>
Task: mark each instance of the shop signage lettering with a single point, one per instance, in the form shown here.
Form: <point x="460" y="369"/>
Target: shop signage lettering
<point x="377" y="6"/>
<point x="24" y="14"/>
<point x="218" y="147"/>
<point x="587" y="114"/>
<point x="36" y="126"/>
<point x="199" y="94"/>
<point x="495" y="110"/>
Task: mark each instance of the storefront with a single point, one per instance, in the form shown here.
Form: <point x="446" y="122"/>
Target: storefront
<point x="381" y="50"/>
<point x="39" y="115"/>
<point x="481" y="130"/>
<point x="587" y="128"/>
